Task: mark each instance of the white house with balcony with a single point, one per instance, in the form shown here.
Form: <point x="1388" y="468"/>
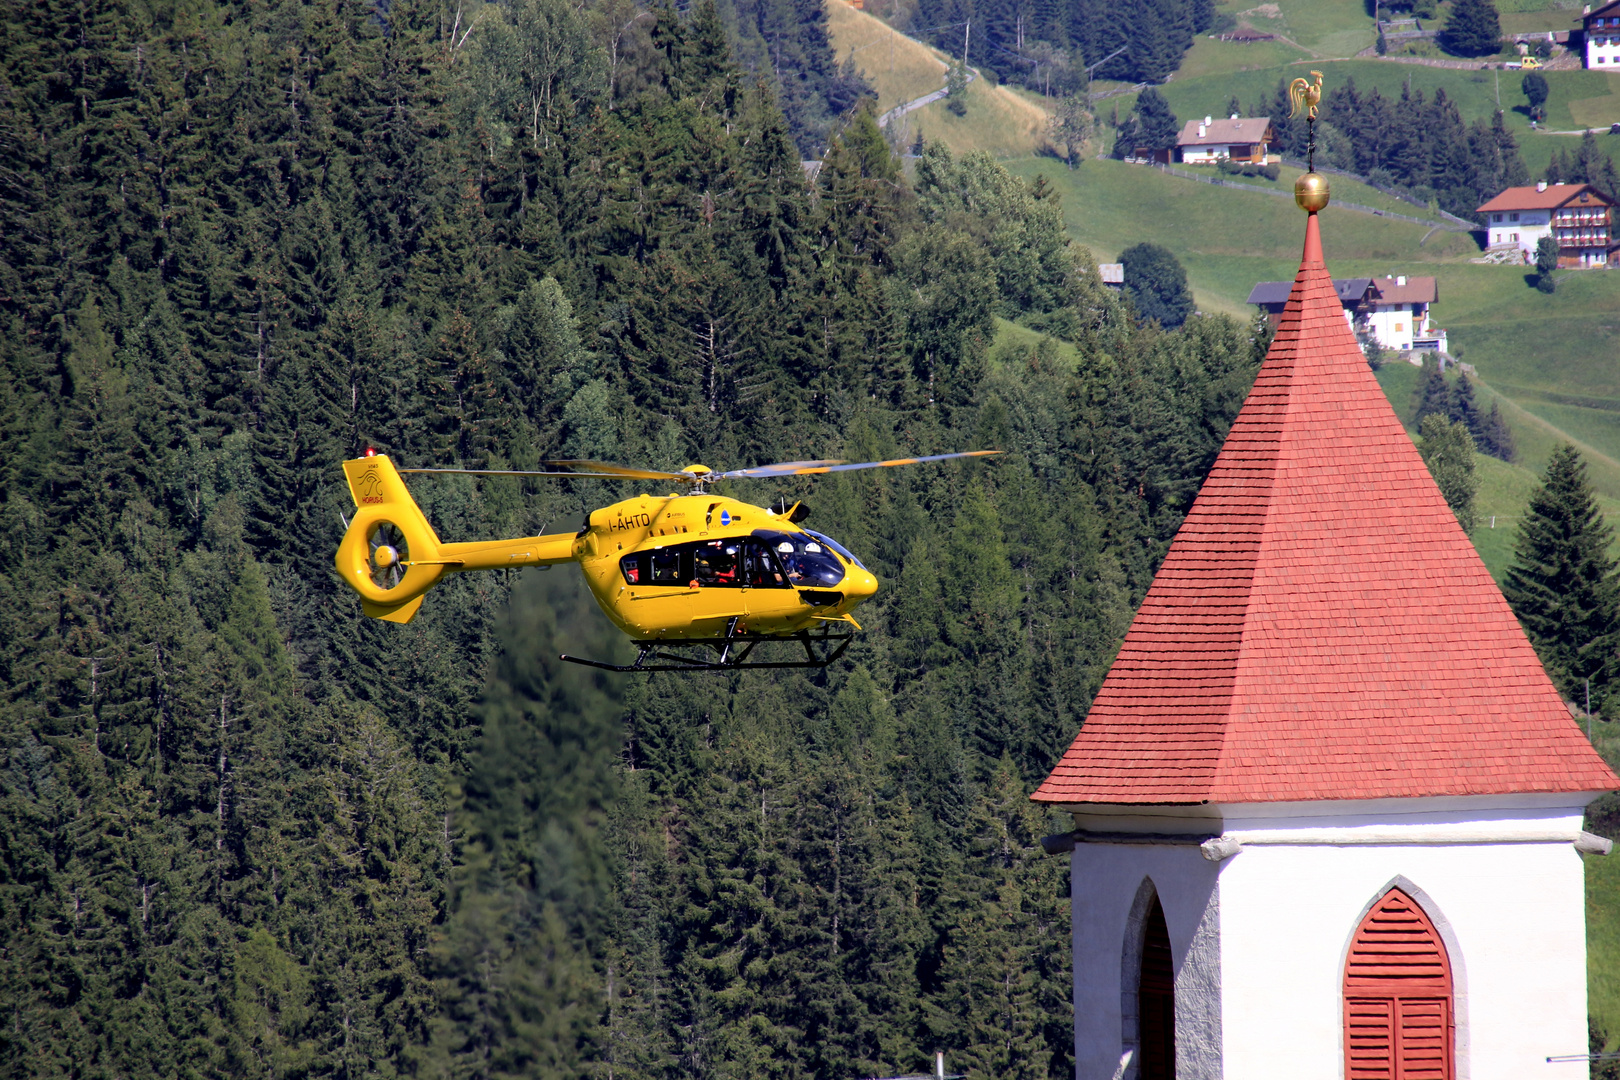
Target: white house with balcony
<point x="1578" y="216"/>
<point x="1398" y="315"/>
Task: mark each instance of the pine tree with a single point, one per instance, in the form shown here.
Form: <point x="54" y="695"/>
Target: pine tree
<point x="1562" y="584"/>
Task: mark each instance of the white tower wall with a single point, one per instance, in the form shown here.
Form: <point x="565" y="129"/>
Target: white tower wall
<point x="1259" y="939"/>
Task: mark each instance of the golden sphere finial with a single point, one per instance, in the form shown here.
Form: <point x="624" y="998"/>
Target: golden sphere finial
<point x="1311" y="192"/>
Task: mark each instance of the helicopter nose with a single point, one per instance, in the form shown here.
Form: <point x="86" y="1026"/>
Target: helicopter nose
<point x="858" y="585"/>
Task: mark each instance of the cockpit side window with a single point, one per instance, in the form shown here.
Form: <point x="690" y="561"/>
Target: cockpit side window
<point x="809" y="563"/>
<point x="760" y="567"/>
<point x="836" y="546"/>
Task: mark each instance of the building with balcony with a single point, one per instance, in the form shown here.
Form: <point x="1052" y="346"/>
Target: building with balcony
<point x="1578" y="216"/>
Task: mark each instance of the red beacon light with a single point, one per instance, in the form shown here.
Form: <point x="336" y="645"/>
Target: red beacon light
<point x="371" y="451"/>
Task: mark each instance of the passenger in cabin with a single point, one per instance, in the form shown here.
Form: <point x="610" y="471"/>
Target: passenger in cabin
<point x="716" y="564"/>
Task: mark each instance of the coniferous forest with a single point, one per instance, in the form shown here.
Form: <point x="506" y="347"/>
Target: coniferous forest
<point x="245" y="831"/>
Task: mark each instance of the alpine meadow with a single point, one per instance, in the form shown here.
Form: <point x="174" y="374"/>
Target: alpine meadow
<point x="249" y="832"/>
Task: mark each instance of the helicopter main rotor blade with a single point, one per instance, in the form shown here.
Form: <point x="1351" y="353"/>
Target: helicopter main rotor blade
<point x="781" y="468"/>
<point x="813" y="468"/>
<point x="573" y="468"/>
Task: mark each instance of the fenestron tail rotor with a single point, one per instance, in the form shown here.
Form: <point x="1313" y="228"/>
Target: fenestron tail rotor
<point x="390" y="553"/>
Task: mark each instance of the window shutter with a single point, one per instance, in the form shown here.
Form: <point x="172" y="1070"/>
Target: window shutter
<point x="1397" y="996"/>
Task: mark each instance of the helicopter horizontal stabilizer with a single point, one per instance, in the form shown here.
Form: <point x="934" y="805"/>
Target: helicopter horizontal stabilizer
<point x="399" y="613"/>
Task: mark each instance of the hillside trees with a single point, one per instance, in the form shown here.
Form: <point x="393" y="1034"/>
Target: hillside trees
<point x="1132" y="40"/>
<point x="1151" y="125"/>
<point x="247" y="830"/>
<point x="1419" y="143"/>
<point x="1587" y="165"/>
<point x="1562" y="584"/>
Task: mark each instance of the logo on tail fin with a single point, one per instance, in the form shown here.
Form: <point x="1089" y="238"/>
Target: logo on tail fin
<point x="369" y="486"/>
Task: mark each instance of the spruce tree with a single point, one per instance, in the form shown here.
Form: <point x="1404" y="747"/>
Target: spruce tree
<point x="1463" y="409"/>
<point x="1496" y="438"/>
<point x="1546" y="263"/>
<point x="1473" y="29"/>
<point x="1562" y="584"/>
<point x="519" y="958"/>
<point x="1156" y="124"/>
<point x="1157" y="284"/>
<point x="1433" y="394"/>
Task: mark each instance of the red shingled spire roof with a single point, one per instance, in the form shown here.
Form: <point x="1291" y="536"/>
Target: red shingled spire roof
<point x="1321" y="627"/>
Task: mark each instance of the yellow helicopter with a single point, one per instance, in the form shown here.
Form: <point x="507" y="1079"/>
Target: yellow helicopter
<point x="686" y="575"/>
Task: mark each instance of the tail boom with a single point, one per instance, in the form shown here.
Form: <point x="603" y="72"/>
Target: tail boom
<point x="391" y="556"/>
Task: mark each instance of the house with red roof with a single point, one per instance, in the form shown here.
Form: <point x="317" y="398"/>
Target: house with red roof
<point x="1327" y="805"/>
<point x="1578" y="216"/>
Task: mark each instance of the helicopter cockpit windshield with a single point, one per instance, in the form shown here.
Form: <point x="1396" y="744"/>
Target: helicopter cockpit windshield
<point x="809" y="562"/>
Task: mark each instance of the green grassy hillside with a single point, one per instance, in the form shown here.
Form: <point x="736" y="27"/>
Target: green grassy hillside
<point x="1549" y="358"/>
<point x="998" y="120"/>
<point x="1228" y="238"/>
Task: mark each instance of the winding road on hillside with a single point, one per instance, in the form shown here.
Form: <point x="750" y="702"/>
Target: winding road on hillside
<point x="916" y="103"/>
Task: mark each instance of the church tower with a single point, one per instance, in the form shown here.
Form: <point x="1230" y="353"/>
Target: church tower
<point x="1327" y="803"/>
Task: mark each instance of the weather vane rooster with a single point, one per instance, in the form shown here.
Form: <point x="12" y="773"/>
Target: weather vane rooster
<point x="1305" y="98"/>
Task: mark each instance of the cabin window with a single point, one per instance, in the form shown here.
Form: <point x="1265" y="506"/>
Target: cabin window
<point x="717" y="563"/>
<point x="760" y="567"/>
<point x="1398" y="1018"/>
<point x="729" y="563"/>
<point x="660" y="567"/>
<point x="666" y="567"/>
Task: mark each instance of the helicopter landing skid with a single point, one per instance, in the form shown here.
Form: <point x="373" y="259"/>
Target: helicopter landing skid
<point x="735" y="651"/>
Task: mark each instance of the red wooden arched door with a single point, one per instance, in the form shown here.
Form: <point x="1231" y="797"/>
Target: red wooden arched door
<point x="1397" y="996"/>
